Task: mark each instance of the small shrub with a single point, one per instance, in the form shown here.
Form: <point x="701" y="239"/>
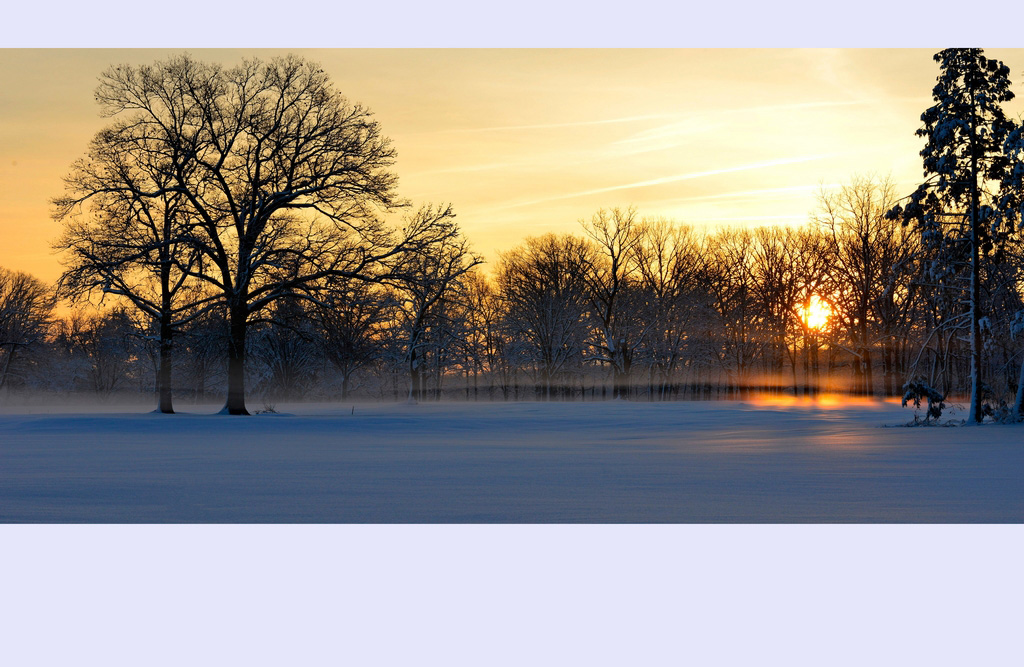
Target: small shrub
<point x="1003" y="413"/>
<point x="917" y="390"/>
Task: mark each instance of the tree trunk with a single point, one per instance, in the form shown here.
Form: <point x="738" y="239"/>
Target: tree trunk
<point x="858" y="373"/>
<point x="618" y="384"/>
<point x="815" y="367"/>
<point x="976" y="414"/>
<point x="1018" y="405"/>
<point x="7" y="366"/>
<point x="887" y="371"/>
<point x="414" y="375"/>
<point x="236" y="361"/>
<point x="795" y="368"/>
<point x="807" y="366"/>
<point x="165" y="373"/>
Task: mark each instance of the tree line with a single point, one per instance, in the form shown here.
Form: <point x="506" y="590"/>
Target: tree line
<point x="245" y="224"/>
<point x="626" y="308"/>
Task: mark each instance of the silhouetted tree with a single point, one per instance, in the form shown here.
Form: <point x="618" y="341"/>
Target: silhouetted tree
<point x="615" y="301"/>
<point x="100" y="348"/>
<point x="965" y="130"/>
<point x="778" y="289"/>
<point x="733" y="335"/>
<point x="288" y="182"/>
<point x="285" y="353"/>
<point x="350" y="318"/>
<point x="25" y="310"/>
<point x="866" y="246"/>
<point x="670" y="261"/>
<point x="1011" y="212"/>
<point x="427" y="279"/>
<point x="127" y="232"/>
<point x="543" y="286"/>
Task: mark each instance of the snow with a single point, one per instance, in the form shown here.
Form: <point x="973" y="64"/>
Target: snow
<point x="604" y="462"/>
<point x="581" y="594"/>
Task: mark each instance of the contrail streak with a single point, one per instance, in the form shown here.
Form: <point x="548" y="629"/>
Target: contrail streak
<point x="546" y="126"/>
<point x="677" y="178"/>
<point x="795" y="189"/>
<point x="680" y="117"/>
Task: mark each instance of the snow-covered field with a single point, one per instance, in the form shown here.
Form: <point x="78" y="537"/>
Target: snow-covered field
<point x="508" y="462"/>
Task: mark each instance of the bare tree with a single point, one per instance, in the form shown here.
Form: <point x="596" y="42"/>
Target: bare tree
<point x="201" y="345"/>
<point x="734" y="336"/>
<point x="669" y="261"/>
<point x="100" y="348"/>
<point x="288" y="182"/>
<point x="426" y="280"/>
<point x="350" y="318"/>
<point x="126" y="233"/>
<point x="776" y="265"/>
<point x="498" y="350"/>
<point x="615" y="302"/>
<point x="815" y="279"/>
<point x="285" y="351"/>
<point x="25" y="315"/>
<point x="543" y="285"/>
<point x="483" y="314"/>
<point x="866" y="247"/>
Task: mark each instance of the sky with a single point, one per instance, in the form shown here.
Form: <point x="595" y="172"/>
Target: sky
<point x="526" y="141"/>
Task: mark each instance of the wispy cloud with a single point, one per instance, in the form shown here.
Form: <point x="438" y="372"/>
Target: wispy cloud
<point x="549" y="126"/>
<point x="800" y="105"/>
<point x="683" y="127"/>
<point x="663" y="137"/>
<point x="762" y="192"/>
<point x="676" y="178"/>
<point x="680" y="119"/>
<point x="471" y="168"/>
<point x="736" y="218"/>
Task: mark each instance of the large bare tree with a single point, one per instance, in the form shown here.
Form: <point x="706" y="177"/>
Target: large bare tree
<point x="288" y="184"/>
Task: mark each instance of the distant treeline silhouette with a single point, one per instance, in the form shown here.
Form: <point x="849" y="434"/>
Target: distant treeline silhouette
<point x="628" y="308"/>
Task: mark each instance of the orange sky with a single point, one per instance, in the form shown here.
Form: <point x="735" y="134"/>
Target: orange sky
<point x="527" y="141"/>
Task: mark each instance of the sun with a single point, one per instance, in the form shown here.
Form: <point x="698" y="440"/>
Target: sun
<point x="815" y="313"/>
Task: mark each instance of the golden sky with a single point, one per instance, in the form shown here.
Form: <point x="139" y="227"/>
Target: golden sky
<point x="522" y="142"/>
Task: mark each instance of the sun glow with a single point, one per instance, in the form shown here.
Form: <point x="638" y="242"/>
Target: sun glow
<point x="815" y="313"/>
